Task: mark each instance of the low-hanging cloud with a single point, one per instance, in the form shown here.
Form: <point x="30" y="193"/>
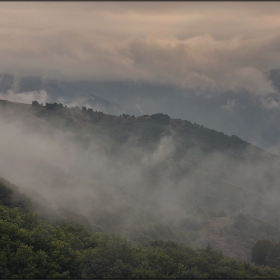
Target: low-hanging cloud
<point x="90" y="179"/>
<point x="26" y="97"/>
<point x="229" y="105"/>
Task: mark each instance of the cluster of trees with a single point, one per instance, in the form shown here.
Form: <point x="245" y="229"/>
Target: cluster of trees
<point x="36" y="104"/>
<point x="33" y="248"/>
<point x="163" y="118"/>
<point x="266" y="253"/>
<point x="85" y="109"/>
<point x="49" y="106"/>
<point x="127" y="116"/>
<point x="54" y="106"/>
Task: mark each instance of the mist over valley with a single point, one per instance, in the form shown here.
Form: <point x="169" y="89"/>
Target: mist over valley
<point x="147" y="177"/>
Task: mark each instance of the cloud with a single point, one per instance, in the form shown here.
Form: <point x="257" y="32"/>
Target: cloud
<point x="164" y="150"/>
<point x="252" y="80"/>
<point x="229" y="105"/>
<point x="26" y="97"/>
<point x="196" y="46"/>
<point x="197" y="64"/>
<point x="270" y="103"/>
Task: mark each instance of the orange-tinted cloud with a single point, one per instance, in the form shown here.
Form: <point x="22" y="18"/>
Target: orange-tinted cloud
<point x="202" y="46"/>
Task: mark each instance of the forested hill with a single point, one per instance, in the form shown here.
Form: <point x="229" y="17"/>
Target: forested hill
<point x="31" y="248"/>
<point x="147" y="130"/>
<point x="145" y="178"/>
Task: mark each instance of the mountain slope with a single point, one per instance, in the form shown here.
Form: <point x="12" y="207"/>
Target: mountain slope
<point x="34" y="248"/>
<point x="254" y="117"/>
<point x="150" y="177"/>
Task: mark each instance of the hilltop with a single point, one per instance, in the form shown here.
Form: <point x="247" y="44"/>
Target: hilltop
<point x="252" y="117"/>
<point x="149" y="128"/>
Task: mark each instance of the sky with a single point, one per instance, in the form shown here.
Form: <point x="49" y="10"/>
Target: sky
<point x="203" y="46"/>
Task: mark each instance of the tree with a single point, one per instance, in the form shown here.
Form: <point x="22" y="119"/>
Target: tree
<point x="35" y="103"/>
<point x="162" y="118"/>
<point x="260" y="251"/>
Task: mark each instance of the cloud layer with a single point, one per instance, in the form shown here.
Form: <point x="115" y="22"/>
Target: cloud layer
<point x="198" y="46"/>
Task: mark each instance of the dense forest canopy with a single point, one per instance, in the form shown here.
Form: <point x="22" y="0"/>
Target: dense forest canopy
<point x="34" y="248"/>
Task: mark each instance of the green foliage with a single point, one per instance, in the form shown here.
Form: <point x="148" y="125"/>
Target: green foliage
<point x="10" y="195"/>
<point x="266" y="253"/>
<point x="31" y="248"/>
